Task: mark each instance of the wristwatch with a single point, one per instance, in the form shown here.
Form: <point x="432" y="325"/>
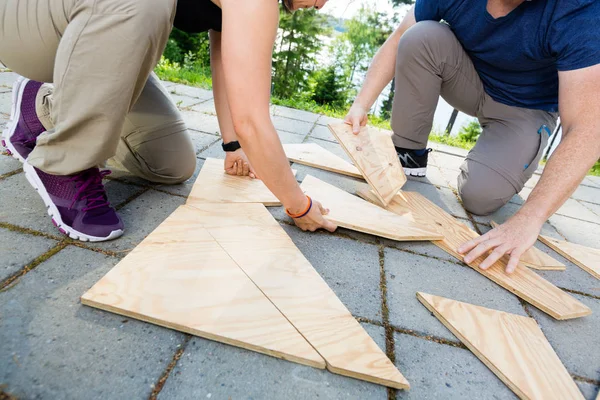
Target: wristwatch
<point x="231" y="146"/>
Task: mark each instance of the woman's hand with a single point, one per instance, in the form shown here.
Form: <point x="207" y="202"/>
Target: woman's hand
<point x="357" y="117"/>
<point x="315" y="219"/>
<point x="236" y="163"/>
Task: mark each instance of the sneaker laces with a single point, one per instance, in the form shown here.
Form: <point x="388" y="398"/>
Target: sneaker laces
<point x="90" y="188"/>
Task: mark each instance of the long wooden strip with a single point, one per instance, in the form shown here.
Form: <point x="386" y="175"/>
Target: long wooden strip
<point x="180" y="277"/>
<point x="349" y="211"/>
<point x="313" y="155"/>
<point x="586" y="258"/>
<point x="523" y="282"/>
<point x="537" y="259"/>
<point x="373" y="153"/>
<point x="265" y="252"/>
<point x="512" y="346"/>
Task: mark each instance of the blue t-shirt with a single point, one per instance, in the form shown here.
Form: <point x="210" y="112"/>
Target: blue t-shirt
<point x="518" y="56"/>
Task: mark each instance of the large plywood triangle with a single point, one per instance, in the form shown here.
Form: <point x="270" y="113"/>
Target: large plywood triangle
<point x="512" y="346"/>
<point x="181" y="278"/>
<point x="586" y="258"/>
<point x="313" y="155"/>
<point x="262" y="249"/>
<point x="373" y="153"/>
<point x="214" y="185"/>
<point x="523" y="282"/>
<point x="351" y="212"/>
<point x="537" y="259"/>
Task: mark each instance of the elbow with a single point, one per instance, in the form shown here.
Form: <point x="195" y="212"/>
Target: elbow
<point x="247" y="128"/>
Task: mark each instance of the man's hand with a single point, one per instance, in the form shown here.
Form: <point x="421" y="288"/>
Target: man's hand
<point x="357" y="117"/>
<point x="315" y="219"/>
<point x="236" y="163"/>
<point x="514" y="238"/>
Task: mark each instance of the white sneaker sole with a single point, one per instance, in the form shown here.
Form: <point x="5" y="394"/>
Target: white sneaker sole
<point x="35" y="181"/>
<point x="419" y="172"/>
<point x="15" y="114"/>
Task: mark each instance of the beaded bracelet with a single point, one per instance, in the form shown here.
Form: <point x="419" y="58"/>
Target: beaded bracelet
<point x="302" y="214"/>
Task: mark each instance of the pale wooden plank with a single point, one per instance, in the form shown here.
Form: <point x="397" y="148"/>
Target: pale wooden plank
<point x="537" y="259"/>
<point x="512" y="346"/>
<point x="269" y="257"/>
<point x="313" y="155"/>
<point x="523" y="282"/>
<point x="180" y="277"/>
<point x="586" y="258"/>
<point x="373" y="153"/>
<point x="349" y="211"/>
<point x="214" y="185"/>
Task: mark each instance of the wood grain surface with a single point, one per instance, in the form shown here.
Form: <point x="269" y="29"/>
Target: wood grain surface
<point x="373" y="153"/>
<point x="313" y="155"/>
<point x="523" y="282"/>
<point x="586" y="258"/>
<point x="351" y="212"/>
<point x="512" y="346"/>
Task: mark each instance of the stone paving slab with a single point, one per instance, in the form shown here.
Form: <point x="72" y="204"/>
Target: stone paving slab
<point x="322" y="132"/>
<point x="19" y="249"/>
<point x="444" y="148"/>
<point x="575" y="209"/>
<point x="184" y="189"/>
<point x="292" y="125"/>
<point x="201" y="122"/>
<point x="451" y="177"/>
<point x="211" y="370"/>
<point x="206" y="107"/>
<point x="52" y="347"/>
<point x="436" y="371"/>
<point x="294" y="114"/>
<point x="446" y="161"/>
<point x="8" y="164"/>
<point x="190" y="91"/>
<point x="593" y="181"/>
<point x="7" y="79"/>
<point x="408" y="274"/>
<point x="203" y="141"/>
<point x="587" y="193"/>
<point x="576" y="231"/>
<point x="595" y="208"/>
<point x="443" y="197"/>
<point x="325" y="120"/>
<point x="589" y="390"/>
<point x="5" y="102"/>
<point x="434" y="177"/>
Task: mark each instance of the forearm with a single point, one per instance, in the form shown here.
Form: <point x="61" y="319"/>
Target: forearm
<point x="219" y="90"/>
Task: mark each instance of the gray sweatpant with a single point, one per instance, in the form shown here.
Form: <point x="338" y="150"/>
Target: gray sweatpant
<point x="431" y="62"/>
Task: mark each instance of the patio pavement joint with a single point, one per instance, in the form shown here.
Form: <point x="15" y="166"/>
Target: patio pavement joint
<point x="165" y="375"/>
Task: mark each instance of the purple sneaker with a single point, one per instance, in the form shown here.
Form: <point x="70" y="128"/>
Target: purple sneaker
<point x="24" y="126"/>
<point x="77" y="204"/>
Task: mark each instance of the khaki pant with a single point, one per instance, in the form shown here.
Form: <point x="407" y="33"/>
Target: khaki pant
<point x="431" y="62"/>
<point x="104" y="102"/>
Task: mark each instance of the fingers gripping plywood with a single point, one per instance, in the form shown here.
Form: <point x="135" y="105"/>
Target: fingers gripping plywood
<point x="261" y="248"/>
<point x="351" y="212"/>
<point x="373" y="153"/>
<point x="523" y="282"/>
<point x="537" y="259"/>
<point x="512" y="346"/>
<point x="586" y="258"/>
<point x="181" y="278"/>
<point x="313" y="155"/>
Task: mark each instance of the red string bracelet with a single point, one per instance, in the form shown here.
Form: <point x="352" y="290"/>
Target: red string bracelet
<point x="303" y="213"/>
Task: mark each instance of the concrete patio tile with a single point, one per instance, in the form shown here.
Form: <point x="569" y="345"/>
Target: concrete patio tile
<point x="201" y="122"/>
<point x="54" y="347"/>
<point x="333" y="147"/>
<point x="322" y="132"/>
<point x="576" y="341"/>
<point x="7" y="79"/>
<point x="206" y="107"/>
<point x="184" y="189"/>
<point x="190" y="91"/>
<point x="292" y="113"/>
<point x="575" y="209"/>
<point x="588" y="390"/>
<point x="220" y="372"/>
<point x="185" y="101"/>
<point x="591" y="180"/>
<point x="292" y="125"/>
<point x="444" y="148"/>
<point x="357" y="283"/>
<point x="216" y="151"/>
<point x="5" y="103"/>
<point x="167" y="84"/>
<point x="587" y="193"/>
<point x="202" y="141"/>
<point x="119" y="192"/>
<point x="595" y="208"/>
<point x="436" y="371"/>
<point x="19" y="249"/>
<point x="408" y="274"/>
<point x="576" y="231"/>
<point x="446" y="161"/>
<point x="443" y="197"/>
<point x="325" y="120"/>
<point x="500" y="216"/>
<point x="451" y="177"/>
<point x="434" y="177"/>
<point x="9" y="164"/>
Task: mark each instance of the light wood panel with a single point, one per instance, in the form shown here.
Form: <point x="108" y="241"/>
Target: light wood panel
<point x="512" y="346"/>
<point x="258" y="244"/>
<point x="537" y="259"/>
<point x="214" y="185"/>
<point x="349" y="211"/>
<point x="373" y="153"/>
<point x="181" y="278"/>
<point x="586" y="258"/>
<point x="313" y="155"/>
<point x="523" y="282"/>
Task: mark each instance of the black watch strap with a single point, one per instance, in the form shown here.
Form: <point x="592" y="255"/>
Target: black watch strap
<point x="231" y="146"/>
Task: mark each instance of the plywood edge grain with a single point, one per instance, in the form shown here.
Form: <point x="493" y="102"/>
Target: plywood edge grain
<point x="401" y="383"/>
<point x="342" y="166"/>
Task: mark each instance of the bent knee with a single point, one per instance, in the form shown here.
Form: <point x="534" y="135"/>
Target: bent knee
<point x="424" y="33"/>
<point x="483" y="190"/>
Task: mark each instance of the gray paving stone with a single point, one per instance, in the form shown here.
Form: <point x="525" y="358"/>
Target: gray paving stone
<point x="141" y="217"/>
<point x="215" y="150"/>
<point x="451" y="177"/>
<point x="202" y="141"/>
<point x="322" y="132"/>
<point x="434" y="177"/>
<point x="185" y="101"/>
<point x="292" y="125"/>
<point x="7" y="79"/>
<point x="217" y="371"/>
<point x="591" y="180"/>
<point x="595" y="208"/>
<point x="118" y="192"/>
<point x="408" y="274"/>
<point x="576" y="231"/>
<point x="19" y="249"/>
<point x="575" y="209"/>
<point x="5" y="102"/>
<point x="444" y="148"/>
<point x="575" y="341"/>
<point x="589" y="391"/>
<point x="206" y="107"/>
<point x="586" y="193"/>
<point x="201" y="122"/>
<point x="443" y="197"/>
<point x="446" y="161"/>
<point x="184" y="189"/>
<point x="167" y="84"/>
<point x="294" y="114"/>
<point x="55" y="348"/>
<point x="325" y="120"/>
<point x="190" y="91"/>
<point x="500" y="216"/>
<point x="357" y="283"/>
<point x="532" y="181"/>
<point x="333" y="147"/>
<point x="436" y="371"/>
<point x="9" y="164"/>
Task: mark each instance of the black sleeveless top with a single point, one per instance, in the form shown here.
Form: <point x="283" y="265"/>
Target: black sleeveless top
<point x="194" y="16"/>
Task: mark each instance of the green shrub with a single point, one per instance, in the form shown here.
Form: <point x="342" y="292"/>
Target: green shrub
<point x="470" y="133"/>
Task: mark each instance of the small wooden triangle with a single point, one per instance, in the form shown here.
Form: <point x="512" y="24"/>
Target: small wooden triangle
<point x="351" y="212"/>
<point x="537" y="259"/>
<point x="512" y="346"/>
<point x="373" y="153"/>
<point x="215" y="186"/>
<point x="313" y="155"/>
<point x="586" y="258"/>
